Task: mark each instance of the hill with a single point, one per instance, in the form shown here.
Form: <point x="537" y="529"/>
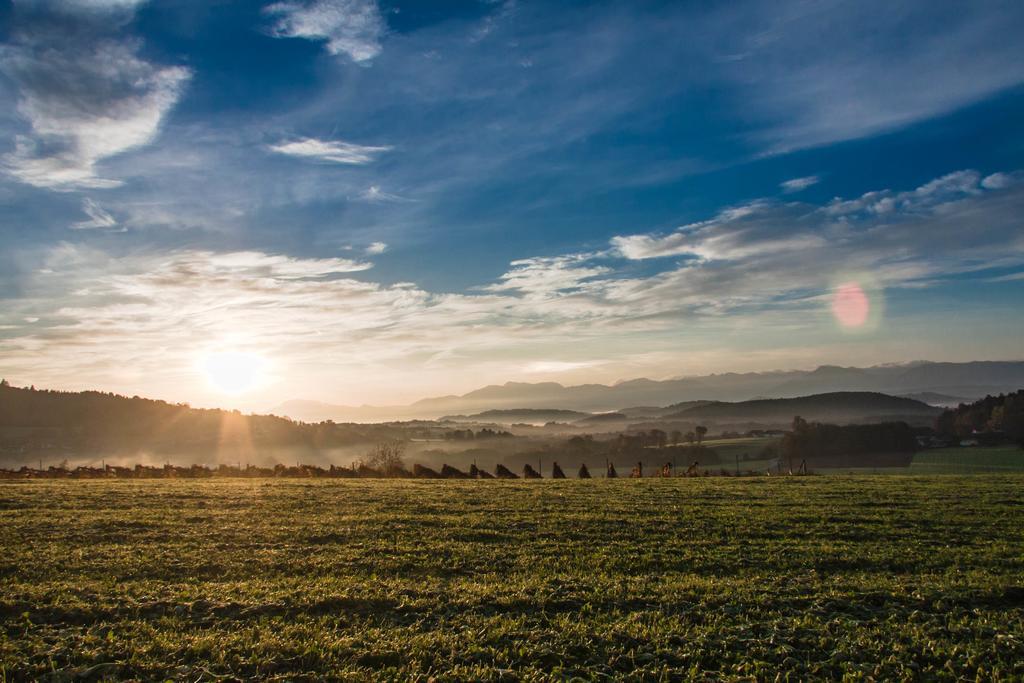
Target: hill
<point x="318" y="411"/>
<point x="993" y="419"/>
<point x="57" y="424"/>
<point x="603" y="418"/>
<point x="970" y="380"/>
<point x="838" y="407"/>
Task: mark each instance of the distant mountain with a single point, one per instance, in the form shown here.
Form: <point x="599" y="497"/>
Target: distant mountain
<point x="969" y="380"/>
<point x="973" y="379"/>
<point x="520" y="415"/>
<point x="317" y="411"/>
<point x="838" y="407"/>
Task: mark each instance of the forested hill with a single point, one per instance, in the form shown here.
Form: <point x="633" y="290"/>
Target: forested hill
<point x="991" y="418"/>
<point x="96" y="422"/>
<point x="841" y="406"/>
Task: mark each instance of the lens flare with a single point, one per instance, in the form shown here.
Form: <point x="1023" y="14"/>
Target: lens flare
<point x="850" y="305"/>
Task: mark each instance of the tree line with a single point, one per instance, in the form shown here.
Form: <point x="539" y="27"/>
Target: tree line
<point x="807" y="440"/>
<point x="993" y="419"/>
<point x="97" y="422"/>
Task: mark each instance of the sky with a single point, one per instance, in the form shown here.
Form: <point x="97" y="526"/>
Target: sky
<point x="363" y="202"/>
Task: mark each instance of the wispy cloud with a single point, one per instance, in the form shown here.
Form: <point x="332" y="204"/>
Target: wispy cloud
<point x="100" y="309"/>
<point x="86" y="96"/>
<point x="948" y="188"/>
<point x="377" y="248"/>
<point x="773" y="252"/>
<point x="494" y="160"/>
<point x="735" y="233"/>
<point x="98" y="217"/>
<point x="798" y="184"/>
<point x="559" y="366"/>
<point x="1012" y="277"/>
<point x="549" y="276"/>
<point x="844" y="71"/>
<point x="258" y="265"/>
<point x="374" y="193"/>
<point x="103" y="5"/>
<point x="336" y="151"/>
<point x="998" y="181"/>
<point x="352" y="27"/>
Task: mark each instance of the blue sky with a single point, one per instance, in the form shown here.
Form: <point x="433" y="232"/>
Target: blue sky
<point x="374" y="202"/>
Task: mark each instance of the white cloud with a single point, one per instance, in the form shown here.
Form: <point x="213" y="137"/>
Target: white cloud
<point x="84" y="107"/>
<point x="256" y="264"/>
<point x="778" y="253"/>
<point x="559" y="366"/>
<point x="377" y="248"/>
<point x="710" y="243"/>
<point x="997" y="181"/>
<point x="337" y="151"/>
<point x="546" y="277"/>
<point x="958" y="182"/>
<point x="375" y="194"/>
<point x="948" y="188"/>
<point x="639" y="247"/>
<point x="736" y="233"/>
<point x="82" y="5"/>
<point x="798" y="184"/>
<point x="761" y="269"/>
<point x="353" y="27"/>
<point x="98" y="217"/>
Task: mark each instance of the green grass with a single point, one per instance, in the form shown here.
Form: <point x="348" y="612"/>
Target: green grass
<point x="728" y="450"/>
<point x="883" y="578"/>
<point x="974" y="459"/>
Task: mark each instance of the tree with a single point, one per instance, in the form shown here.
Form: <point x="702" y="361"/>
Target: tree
<point x="386" y="457"/>
<point x="945" y="424"/>
<point x="818" y="440"/>
<point x="690" y="437"/>
<point x="675" y="437"/>
<point x="701" y="431"/>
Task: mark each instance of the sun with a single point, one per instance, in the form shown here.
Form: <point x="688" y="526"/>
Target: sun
<point x="233" y="372"/>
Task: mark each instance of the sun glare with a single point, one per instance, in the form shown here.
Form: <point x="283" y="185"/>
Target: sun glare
<point x="233" y="372"/>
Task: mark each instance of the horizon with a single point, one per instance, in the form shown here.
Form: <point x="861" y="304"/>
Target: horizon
<point x="270" y="410"/>
<point x="373" y="203"/>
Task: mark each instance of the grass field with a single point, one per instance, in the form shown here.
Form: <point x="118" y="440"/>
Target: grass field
<point x="728" y="450"/>
<point x="969" y="460"/>
<point x="818" y="577"/>
<point x="976" y="459"/>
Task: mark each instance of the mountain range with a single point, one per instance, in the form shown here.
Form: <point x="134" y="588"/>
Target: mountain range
<point x="944" y="383"/>
<point x="841" y="407"/>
